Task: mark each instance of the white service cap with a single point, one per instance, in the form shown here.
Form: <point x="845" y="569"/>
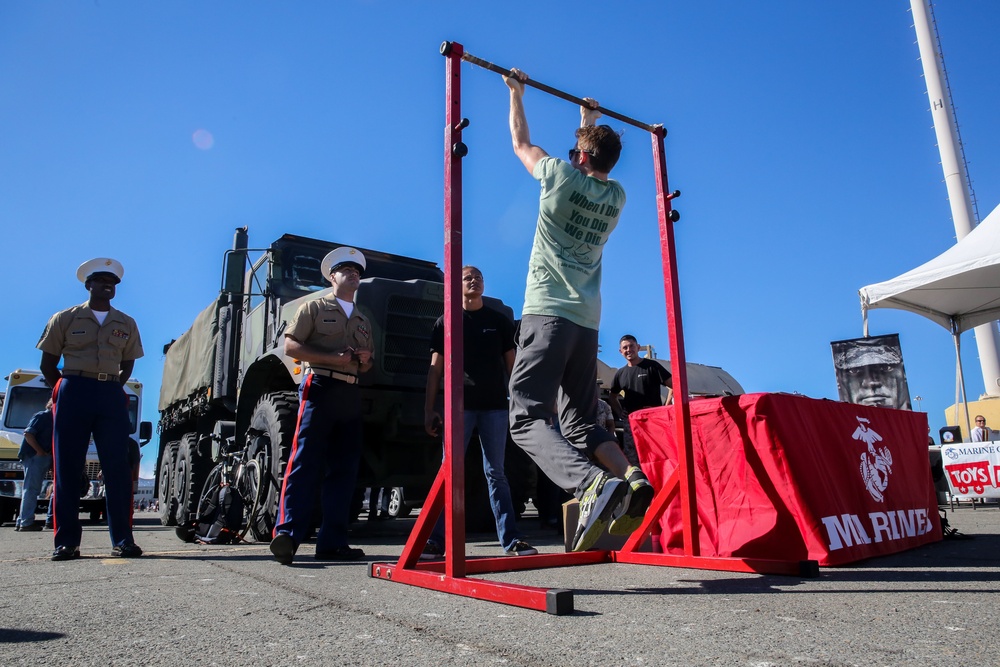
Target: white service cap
<point x="342" y="255"/>
<point x="100" y="265"/>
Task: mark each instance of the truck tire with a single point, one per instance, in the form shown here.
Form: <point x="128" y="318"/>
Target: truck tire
<point x="165" y="488"/>
<point x="269" y="442"/>
<point x="189" y="477"/>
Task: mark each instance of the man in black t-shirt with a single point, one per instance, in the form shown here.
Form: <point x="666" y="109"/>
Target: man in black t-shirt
<point x="488" y="346"/>
<point x="639" y="384"/>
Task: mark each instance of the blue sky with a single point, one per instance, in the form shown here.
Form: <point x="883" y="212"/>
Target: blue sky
<point x="799" y="133"/>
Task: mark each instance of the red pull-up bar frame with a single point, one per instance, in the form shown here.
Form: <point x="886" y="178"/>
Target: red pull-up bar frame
<point x="448" y="490"/>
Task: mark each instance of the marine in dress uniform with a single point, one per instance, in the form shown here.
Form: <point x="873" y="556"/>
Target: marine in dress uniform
<point x="98" y="345"/>
<point x="332" y="336"/>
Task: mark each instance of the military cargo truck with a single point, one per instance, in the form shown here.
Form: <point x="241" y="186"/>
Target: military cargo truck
<point x="228" y="384"/>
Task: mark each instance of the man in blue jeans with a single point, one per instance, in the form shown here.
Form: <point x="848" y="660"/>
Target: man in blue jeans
<point x="488" y="338"/>
<point x="36" y="457"/>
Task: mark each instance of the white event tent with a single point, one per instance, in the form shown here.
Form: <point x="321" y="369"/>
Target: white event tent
<point x="959" y="289"/>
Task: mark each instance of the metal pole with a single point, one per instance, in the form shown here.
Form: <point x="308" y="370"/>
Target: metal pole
<point x="454" y="372"/>
<point x="485" y="64"/>
<point x="678" y="361"/>
<point x="961" y="388"/>
<point x="956" y="176"/>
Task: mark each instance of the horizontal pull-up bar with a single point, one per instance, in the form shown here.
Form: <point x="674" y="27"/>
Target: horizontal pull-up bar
<point x="469" y="58"/>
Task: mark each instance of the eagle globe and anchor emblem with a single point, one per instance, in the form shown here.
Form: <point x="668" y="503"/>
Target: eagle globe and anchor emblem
<point x="876" y="463"/>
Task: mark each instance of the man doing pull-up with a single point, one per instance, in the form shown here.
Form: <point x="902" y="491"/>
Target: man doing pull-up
<point x="553" y="394"/>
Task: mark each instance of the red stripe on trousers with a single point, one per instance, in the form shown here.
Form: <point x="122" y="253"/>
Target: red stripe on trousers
<point x="55" y="498"/>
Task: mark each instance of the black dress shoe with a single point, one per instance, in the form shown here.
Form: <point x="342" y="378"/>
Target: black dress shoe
<point x="340" y="553"/>
<point x="130" y="550"/>
<point x="283" y="548"/>
<point x="186" y="532"/>
<point x="66" y="553"/>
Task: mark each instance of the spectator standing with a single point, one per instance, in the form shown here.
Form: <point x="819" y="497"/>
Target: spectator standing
<point x="36" y="457"/>
<point x="639" y="384"/>
<point x="488" y="357"/>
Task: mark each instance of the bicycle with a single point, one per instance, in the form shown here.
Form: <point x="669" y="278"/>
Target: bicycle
<point x="216" y="520"/>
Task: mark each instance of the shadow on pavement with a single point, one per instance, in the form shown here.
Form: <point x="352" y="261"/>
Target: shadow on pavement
<point x="14" y="636"/>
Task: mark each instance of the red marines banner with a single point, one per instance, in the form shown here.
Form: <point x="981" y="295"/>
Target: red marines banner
<point x="792" y="478"/>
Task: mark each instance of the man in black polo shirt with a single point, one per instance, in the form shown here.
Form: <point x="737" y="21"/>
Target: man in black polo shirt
<point x="488" y="345"/>
<point x="639" y="383"/>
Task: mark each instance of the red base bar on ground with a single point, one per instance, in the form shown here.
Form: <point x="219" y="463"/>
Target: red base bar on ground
<point x="512" y="563"/>
<point x="805" y="568"/>
<point x="557" y="601"/>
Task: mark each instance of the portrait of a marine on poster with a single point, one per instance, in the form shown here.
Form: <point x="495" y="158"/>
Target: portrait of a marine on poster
<point x="870" y="372"/>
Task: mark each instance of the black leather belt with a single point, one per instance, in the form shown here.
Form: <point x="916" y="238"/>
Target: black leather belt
<point x="101" y="377"/>
<point x="336" y="375"/>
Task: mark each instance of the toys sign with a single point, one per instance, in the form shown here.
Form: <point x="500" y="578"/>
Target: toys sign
<point x="973" y="469"/>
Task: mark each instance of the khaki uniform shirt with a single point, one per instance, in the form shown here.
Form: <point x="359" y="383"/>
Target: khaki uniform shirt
<point x="86" y="345"/>
<point x="323" y="324"/>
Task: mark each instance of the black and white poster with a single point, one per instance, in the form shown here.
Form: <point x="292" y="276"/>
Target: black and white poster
<point x="870" y="372"/>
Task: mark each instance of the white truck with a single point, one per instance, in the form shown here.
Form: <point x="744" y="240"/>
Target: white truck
<point x="27" y="394"/>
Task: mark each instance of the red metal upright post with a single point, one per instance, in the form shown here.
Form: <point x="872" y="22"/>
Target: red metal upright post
<point x="678" y="360"/>
<point x="450" y="577"/>
<point x="681" y="485"/>
<point x="454" y="427"/>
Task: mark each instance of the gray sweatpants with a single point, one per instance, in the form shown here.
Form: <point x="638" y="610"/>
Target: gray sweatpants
<point x="553" y="400"/>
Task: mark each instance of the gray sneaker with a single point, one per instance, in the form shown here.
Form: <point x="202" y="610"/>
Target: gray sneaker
<point x="520" y="548"/>
<point x="640" y="495"/>
<point x="598" y="503"/>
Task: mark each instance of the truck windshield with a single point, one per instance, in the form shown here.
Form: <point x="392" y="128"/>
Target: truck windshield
<point x="300" y="267"/>
<point x="26" y="401"/>
<point x="23" y="403"/>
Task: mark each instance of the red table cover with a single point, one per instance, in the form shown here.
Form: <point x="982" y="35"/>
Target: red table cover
<point x="788" y="477"/>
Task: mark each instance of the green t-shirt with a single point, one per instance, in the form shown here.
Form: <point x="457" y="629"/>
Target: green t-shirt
<point x="576" y="214"/>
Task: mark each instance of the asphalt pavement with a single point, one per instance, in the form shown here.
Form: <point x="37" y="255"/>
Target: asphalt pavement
<point x="184" y="604"/>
